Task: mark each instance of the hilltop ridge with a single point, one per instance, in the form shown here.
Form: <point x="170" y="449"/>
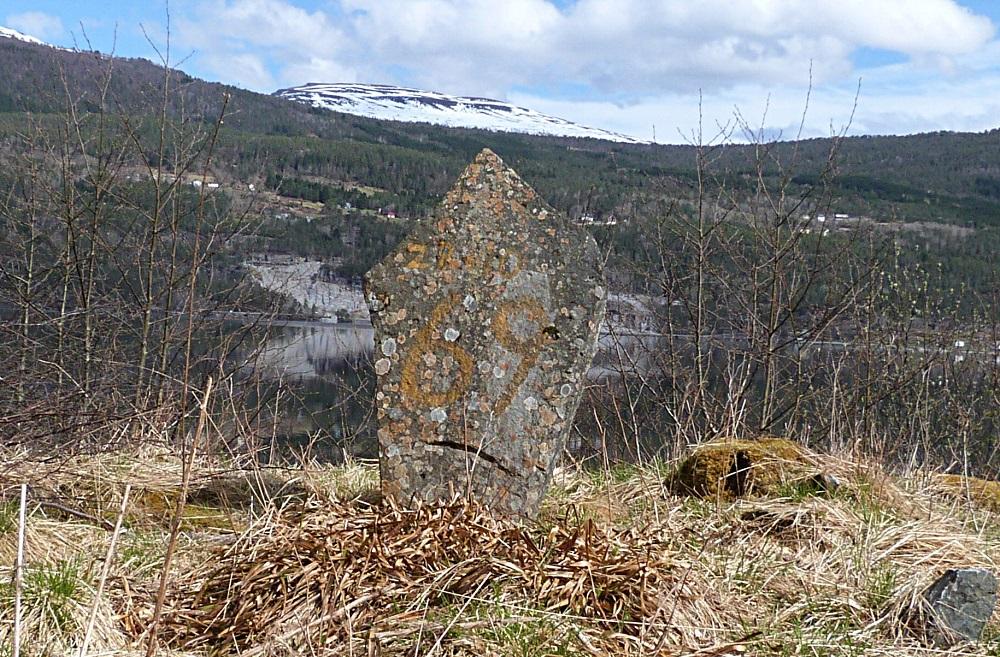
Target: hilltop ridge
<point x="9" y="33"/>
<point x="395" y="103"/>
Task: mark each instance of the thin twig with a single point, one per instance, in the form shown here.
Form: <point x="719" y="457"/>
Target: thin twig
<point x="104" y="573"/>
<point x="19" y="571"/>
<point x="175" y="526"/>
<point x="101" y="522"/>
<point x="465" y="605"/>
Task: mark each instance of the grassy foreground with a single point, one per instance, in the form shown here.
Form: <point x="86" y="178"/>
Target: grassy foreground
<point x="310" y="561"/>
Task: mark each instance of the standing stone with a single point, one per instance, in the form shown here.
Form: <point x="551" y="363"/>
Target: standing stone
<point x="962" y="602"/>
<point x="486" y="319"/>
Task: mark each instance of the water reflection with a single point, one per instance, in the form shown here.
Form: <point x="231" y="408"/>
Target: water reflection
<point x="314" y="350"/>
<point x="310" y="350"/>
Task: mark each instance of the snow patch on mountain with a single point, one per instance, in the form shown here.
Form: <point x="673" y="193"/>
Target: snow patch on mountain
<point x="14" y="34"/>
<point x="389" y="102"/>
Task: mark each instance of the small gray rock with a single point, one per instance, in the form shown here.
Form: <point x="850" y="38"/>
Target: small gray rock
<point x="825" y="482"/>
<point x="962" y="602"/>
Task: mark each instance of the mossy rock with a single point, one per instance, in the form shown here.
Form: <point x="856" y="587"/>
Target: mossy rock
<point x="746" y="468"/>
<point x="218" y="502"/>
<point x="982" y="492"/>
<point x="246" y="490"/>
<point x="157" y="507"/>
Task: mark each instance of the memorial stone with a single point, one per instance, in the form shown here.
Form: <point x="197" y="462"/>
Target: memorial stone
<point x="486" y="319"/>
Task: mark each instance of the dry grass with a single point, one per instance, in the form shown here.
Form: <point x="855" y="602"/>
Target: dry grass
<point x="617" y="563"/>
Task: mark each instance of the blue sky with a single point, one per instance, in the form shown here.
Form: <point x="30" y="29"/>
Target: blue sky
<point x="626" y="65"/>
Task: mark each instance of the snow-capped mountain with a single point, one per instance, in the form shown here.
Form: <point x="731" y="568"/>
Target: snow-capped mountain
<point x="388" y="102"/>
<point x="14" y="34"/>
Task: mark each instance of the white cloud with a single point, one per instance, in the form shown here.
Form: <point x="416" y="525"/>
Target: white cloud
<point x="631" y="48"/>
<point x="633" y="62"/>
<point x="891" y="100"/>
<point x="319" y="69"/>
<point x="242" y="69"/>
<point x="37" y="24"/>
<point x="262" y="43"/>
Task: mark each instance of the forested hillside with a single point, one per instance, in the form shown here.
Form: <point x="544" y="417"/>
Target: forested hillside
<point x="951" y="177"/>
<point x="138" y="201"/>
<point x="937" y="196"/>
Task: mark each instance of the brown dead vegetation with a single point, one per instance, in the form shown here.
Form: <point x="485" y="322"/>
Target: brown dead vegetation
<point x="617" y="563"/>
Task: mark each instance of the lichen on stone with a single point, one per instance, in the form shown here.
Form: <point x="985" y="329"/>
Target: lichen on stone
<point x="494" y="300"/>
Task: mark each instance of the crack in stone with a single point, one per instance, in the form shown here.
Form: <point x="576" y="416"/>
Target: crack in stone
<point x="489" y="458"/>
